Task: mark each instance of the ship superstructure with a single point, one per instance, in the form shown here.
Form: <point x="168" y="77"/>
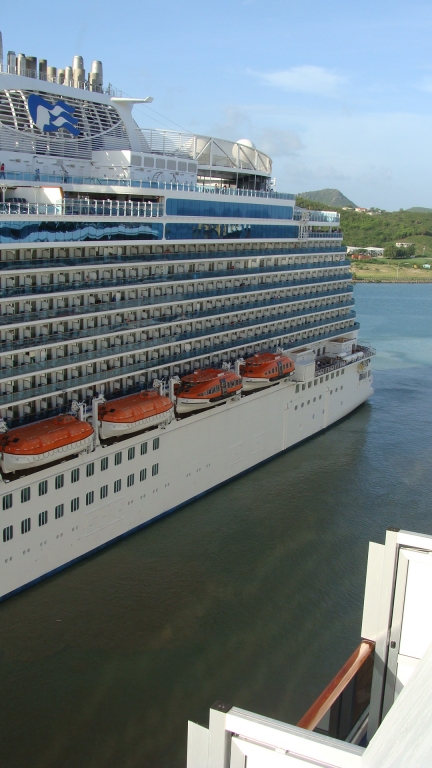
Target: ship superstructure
<point x="130" y="258"/>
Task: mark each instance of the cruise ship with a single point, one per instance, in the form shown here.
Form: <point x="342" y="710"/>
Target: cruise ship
<point x="168" y="320"/>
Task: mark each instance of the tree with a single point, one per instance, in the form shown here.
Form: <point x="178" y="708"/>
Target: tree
<point x="391" y="252"/>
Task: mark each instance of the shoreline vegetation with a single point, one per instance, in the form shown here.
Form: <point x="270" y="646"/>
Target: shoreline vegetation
<point x="392" y="271"/>
<point x="383" y="229"/>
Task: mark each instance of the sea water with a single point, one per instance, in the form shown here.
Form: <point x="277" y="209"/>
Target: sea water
<point x="252" y="595"/>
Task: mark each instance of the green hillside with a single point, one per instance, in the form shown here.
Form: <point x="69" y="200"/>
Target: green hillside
<point x="419" y="210"/>
<point x="331" y="197"/>
<point x="382" y="229"/>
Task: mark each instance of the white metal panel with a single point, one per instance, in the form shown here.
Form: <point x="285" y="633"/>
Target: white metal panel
<point x="416" y="633"/>
<point x="289" y="738"/>
<point x="369" y="630"/>
<point x="197" y="746"/>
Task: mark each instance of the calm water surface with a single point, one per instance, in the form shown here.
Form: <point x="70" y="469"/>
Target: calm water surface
<point x="252" y="595"/>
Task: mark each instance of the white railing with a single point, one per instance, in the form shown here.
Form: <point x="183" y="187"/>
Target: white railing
<point x="84" y="208"/>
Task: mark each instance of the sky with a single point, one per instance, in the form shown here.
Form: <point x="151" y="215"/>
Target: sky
<point x="339" y="94"/>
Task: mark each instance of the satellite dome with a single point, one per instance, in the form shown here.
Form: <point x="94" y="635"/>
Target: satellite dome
<point x="247" y="143"/>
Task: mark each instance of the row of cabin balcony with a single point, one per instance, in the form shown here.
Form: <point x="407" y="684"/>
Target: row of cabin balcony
<point x="111" y="253"/>
<point x="21" y="411"/>
<point x="48" y="383"/>
<point x="41" y="275"/>
<point x="21" y="313"/>
<point x="26" y="337"/>
<point x="33" y="361"/>
<point x="86" y="282"/>
<point x="167" y="305"/>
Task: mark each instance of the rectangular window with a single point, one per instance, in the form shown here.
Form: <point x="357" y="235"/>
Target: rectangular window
<point x="25" y="495"/>
<point x="43" y="518"/>
<point x="90" y="469"/>
<point x="131" y="453"/>
<point x="59" y="482"/>
<point x="117" y="486"/>
<point x="143" y="449"/>
<point x="75" y="475"/>
<point x="155" y="443"/>
<point x="104" y="464"/>
<point x="75" y="504"/>
<point x="89" y="498"/>
<point x="155" y="469"/>
<point x="104" y="492"/>
<point x="59" y="511"/>
<point x="8" y="533"/>
<point x="7" y="502"/>
<point x="43" y="487"/>
<point x="143" y="475"/>
<point x="118" y="458"/>
<point x="130" y="480"/>
<point x="25" y="525"/>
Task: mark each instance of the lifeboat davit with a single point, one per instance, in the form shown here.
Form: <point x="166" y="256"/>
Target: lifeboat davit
<point x="205" y="388"/>
<point x="133" y="413"/>
<point x="43" y="442"/>
<point x="264" y="369"/>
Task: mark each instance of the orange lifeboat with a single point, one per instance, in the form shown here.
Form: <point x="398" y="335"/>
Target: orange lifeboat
<point x="133" y="413"/>
<point x="205" y="388"/>
<point x="264" y="369"/>
<point x="43" y="442"/>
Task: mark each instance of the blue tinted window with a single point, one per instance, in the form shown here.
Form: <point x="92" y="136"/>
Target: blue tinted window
<point x="212" y="207"/>
<point x="77" y="231"/>
<point x="229" y="231"/>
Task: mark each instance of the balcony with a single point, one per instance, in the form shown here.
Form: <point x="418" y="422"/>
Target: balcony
<point x="95" y="379"/>
<point x="59" y="337"/>
<point x="168" y="255"/>
<point x="82" y="208"/>
<point x="151" y="280"/>
<point x="65" y="179"/>
<point x="66" y="312"/>
<point x="341" y="709"/>
<point x="172" y="338"/>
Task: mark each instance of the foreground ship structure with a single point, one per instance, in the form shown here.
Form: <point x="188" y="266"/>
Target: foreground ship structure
<point x="167" y="320"/>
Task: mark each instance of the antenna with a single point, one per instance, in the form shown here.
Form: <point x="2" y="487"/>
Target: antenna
<point x="1" y="52"/>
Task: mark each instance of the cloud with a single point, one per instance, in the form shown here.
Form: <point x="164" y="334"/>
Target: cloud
<point x="279" y="142"/>
<point x="305" y="79"/>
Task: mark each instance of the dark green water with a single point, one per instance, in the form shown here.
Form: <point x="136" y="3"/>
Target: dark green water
<point x="252" y="595"/>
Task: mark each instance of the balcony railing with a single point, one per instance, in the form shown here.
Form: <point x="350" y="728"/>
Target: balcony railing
<point x="84" y="208"/>
<point x="341" y="708"/>
<point x="96" y="379"/>
<point x="152" y="280"/>
<point x="58" y="337"/>
<point x="173" y="338"/>
<point x="168" y="255"/>
<point x="42" y="314"/>
<point x="97" y="181"/>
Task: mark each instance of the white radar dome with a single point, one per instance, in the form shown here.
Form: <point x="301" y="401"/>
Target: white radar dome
<point x="247" y="143"/>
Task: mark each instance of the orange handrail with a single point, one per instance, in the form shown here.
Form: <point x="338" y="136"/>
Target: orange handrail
<point x="329" y="695"/>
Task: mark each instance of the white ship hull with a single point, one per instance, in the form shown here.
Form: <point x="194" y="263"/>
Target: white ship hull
<point x="194" y="455"/>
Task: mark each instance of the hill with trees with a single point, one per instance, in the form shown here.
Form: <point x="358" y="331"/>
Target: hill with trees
<point x="381" y="229"/>
<point x="331" y="197"/>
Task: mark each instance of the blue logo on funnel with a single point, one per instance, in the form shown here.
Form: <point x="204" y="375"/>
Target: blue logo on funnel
<point x="50" y="117"/>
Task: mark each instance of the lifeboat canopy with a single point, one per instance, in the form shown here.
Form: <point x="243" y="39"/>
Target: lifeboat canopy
<point x="43" y="436"/>
<point x="133" y="413"/>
